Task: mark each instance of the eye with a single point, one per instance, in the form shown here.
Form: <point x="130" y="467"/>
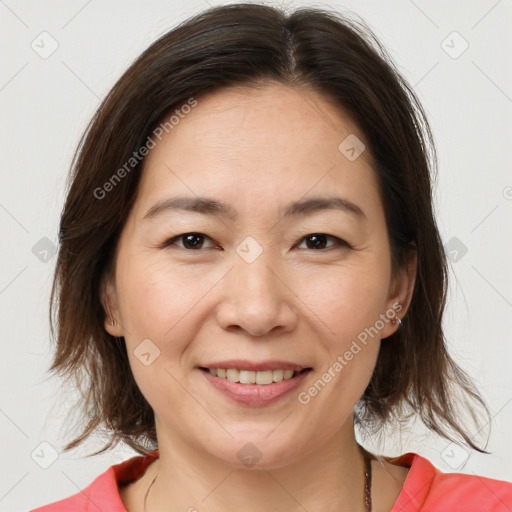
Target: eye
<point x="192" y="241"/>
<point x="318" y="241"/>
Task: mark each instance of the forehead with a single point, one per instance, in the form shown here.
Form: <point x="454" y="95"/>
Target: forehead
<point x="285" y="119"/>
<point x="253" y="142"/>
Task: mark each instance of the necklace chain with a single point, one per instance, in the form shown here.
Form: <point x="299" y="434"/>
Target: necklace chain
<point x="367" y="480"/>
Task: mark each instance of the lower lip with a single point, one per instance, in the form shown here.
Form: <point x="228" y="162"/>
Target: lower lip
<point x="255" y="395"/>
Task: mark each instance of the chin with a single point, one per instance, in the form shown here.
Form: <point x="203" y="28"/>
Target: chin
<point x="257" y="451"/>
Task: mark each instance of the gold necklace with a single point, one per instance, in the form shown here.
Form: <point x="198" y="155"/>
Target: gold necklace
<point x="367" y="480"/>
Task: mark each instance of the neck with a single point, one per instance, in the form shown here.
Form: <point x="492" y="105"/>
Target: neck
<point x="329" y="475"/>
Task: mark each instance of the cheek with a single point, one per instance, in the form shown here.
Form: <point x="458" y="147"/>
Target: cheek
<point x="144" y="299"/>
<point x="162" y="302"/>
<point x="345" y="298"/>
<point x="156" y="295"/>
<point x="154" y="304"/>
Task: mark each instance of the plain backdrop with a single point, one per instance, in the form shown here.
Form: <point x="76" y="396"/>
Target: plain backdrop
<point x="60" y="58"/>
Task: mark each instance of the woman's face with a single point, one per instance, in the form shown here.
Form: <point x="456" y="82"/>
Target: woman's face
<point x="251" y="287"/>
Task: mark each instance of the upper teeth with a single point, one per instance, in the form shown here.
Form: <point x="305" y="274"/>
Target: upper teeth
<point x="252" y="377"/>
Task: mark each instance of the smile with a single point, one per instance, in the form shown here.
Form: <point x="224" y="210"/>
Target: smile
<point x="254" y="388"/>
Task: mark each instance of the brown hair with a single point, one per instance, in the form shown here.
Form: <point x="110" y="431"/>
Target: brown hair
<point x="255" y="44"/>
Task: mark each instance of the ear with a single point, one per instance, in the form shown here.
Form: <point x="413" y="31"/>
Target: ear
<point x="400" y="291"/>
<point x="108" y="297"/>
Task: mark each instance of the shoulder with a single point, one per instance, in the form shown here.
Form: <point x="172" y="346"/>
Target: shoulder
<point x="103" y="491"/>
<point x="427" y="488"/>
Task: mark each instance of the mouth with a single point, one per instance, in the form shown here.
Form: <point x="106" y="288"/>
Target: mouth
<point x="252" y="384"/>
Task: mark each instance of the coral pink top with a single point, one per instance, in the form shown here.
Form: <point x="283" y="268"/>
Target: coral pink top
<point x="426" y="489"/>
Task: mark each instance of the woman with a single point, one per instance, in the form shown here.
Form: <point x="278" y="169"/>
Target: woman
<point x="250" y="268"/>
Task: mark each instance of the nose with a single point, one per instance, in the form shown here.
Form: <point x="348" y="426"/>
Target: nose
<point x="257" y="298"/>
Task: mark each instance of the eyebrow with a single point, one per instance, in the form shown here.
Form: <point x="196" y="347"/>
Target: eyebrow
<point x="210" y="206"/>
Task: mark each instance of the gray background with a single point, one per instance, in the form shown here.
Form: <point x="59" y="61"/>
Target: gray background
<point x="47" y="98"/>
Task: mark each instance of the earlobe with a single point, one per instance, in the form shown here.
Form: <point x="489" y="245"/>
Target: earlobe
<point x="401" y="292"/>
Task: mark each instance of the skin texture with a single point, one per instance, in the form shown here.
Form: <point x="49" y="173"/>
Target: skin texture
<point x="257" y="149"/>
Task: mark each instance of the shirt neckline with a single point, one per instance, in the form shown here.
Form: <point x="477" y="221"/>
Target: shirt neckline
<point x="411" y="498"/>
<point x="417" y="483"/>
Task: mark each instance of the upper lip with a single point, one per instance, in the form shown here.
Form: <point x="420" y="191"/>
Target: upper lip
<point x="243" y="364"/>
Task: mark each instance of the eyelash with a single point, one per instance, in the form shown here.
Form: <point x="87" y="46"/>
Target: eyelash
<point x="340" y="242"/>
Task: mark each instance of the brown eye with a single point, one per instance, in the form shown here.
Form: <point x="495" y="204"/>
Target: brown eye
<point x="190" y="241"/>
<point x="318" y="241"/>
